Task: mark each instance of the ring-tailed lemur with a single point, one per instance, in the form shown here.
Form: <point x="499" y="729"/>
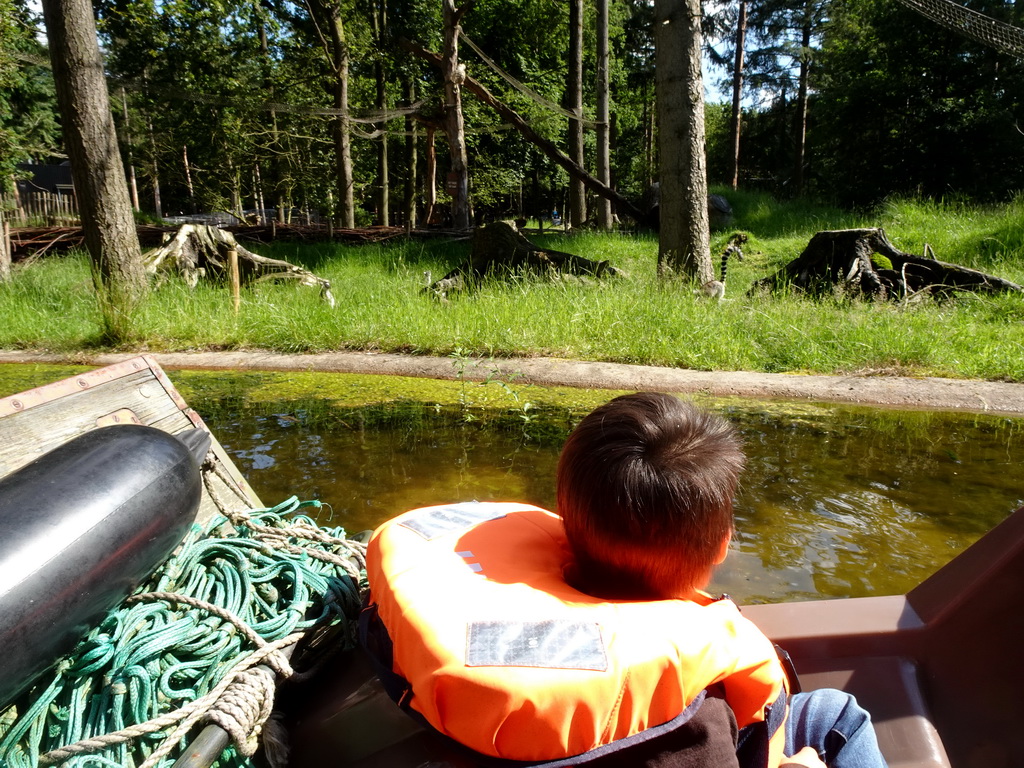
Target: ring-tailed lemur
<point x="715" y="289"/>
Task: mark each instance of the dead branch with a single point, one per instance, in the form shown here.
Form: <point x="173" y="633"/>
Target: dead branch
<point x="479" y="90"/>
<point x="199" y="251"/>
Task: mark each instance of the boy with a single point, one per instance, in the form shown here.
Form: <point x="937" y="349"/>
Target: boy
<point x="645" y="488"/>
<point x="586" y="639"/>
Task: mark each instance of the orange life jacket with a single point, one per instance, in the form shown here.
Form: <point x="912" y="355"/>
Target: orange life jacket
<point x="502" y="655"/>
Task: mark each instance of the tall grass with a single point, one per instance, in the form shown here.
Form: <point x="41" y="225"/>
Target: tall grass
<point x="636" y="319"/>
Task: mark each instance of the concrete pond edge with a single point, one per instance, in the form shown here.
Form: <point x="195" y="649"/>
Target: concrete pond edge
<point x="927" y="393"/>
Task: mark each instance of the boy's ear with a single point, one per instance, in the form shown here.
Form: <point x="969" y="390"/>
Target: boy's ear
<point x="723" y="550"/>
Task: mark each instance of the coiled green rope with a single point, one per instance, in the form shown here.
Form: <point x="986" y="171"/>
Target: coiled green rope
<point x="229" y="600"/>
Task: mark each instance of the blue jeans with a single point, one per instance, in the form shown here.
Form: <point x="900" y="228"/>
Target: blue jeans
<point x="836" y="726"/>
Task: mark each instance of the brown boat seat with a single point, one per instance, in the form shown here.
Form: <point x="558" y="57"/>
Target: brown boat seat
<point x="887" y="686"/>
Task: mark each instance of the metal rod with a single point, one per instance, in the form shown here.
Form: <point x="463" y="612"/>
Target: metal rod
<point x="205" y="749"/>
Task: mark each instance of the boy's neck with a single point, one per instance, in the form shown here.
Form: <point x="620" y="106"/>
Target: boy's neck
<point x="602" y="584"/>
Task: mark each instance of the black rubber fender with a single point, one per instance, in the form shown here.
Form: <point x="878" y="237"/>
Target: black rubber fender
<point x="80" y="528"/>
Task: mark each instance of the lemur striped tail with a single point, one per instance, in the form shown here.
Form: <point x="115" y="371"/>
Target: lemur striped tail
<point x="725" y="263"/>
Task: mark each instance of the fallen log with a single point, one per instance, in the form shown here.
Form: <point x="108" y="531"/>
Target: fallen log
<point x="199" y="251"/>
<point x="862" y="262"/>
<point x="500" y="248"/>
<point x="35" y="242"/>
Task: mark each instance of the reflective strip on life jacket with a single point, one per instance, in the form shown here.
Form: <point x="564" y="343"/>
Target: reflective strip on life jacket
<point x="505" y="657"/>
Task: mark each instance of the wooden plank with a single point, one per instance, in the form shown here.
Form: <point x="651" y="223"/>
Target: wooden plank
<point x="134" y="391"/>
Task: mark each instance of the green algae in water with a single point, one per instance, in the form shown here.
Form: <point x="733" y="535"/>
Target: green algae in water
<point x="17" y="377"/>
<point x="837" y="501"/>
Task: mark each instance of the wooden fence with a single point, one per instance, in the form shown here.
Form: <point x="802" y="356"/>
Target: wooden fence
<point x="5" y="249"/>
<point x="35" y="209"/>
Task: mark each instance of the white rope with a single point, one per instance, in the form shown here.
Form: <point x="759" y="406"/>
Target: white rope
<point x="524" y="89"/>
<point x="977" y="26"/>
<point x="244" y="707"/>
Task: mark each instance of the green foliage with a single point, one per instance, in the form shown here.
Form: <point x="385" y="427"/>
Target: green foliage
<point x="28" y="123"/>
<point x="925" y="114"/>
<point x="246" y="91"/>
<point x="201" y="81"/>
<point x="717" y="133"/>
<point x="989" y="238"/>
<point x="52" y="302"/>
<point x="768" y="217"/>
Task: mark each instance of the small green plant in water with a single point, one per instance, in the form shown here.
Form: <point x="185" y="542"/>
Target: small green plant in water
<point x="494" y="376"/>
<point x="461" y="359"/>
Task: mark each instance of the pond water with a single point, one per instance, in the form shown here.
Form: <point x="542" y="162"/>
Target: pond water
<point x="837" y="501"/>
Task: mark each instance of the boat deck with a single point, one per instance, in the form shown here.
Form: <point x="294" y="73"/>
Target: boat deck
<point x="135" y="391"/>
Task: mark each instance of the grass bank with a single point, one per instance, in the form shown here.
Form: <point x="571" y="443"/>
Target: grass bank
<point x="637" y="319"/>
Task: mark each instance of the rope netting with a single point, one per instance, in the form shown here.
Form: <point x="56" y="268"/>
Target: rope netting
<point x="977" y="26"/>
<point x="523" y="88"/>
<point x="204" y="640"/>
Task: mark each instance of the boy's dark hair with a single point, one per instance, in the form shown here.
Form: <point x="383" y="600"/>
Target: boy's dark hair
<point x="645" y="487"/>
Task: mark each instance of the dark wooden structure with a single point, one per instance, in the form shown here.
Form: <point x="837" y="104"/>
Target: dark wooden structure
<point x="501" y="249"/>
<point x="846" y="260"/>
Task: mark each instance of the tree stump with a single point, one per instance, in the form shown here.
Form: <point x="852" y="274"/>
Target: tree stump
<point x="501" y="249"/>
<point x="842" y="260"/>
<point x="198" y="251"/>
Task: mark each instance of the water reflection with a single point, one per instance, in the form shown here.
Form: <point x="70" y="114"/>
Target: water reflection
<point x="867" y="502"/>
<point x="836" y="502"/>
<point x="368" y="474"/>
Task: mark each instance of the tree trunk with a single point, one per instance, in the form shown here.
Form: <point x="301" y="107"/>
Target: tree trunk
<point x="454" y="75"/>
<point x="411" y="158"/>
<point x="19" y="210"/>
<point x="604" y="173"/>
<point x="5" y="249"/>
<point x="257" y="194"/>
<point x="684" y="236"/>
<point x="737" y="92"/>
<point x="236" y="191"/>
<point x="158" y="208"/>
<point x="380" y="20"/>
<point x="133" y="186"/>
<point x="91" y="143"/>
<point x="199" y="251"/>
<point x="801" y="111"/>
<point x="274" y="164"/>
<point x="430" y="178"/>
<point x="524" y="128"/>
<point x="277" y="182"/>
<point x="574" y="101"/>
<point x="188" y="179"/>
<point x="651" y="140"/>
<point x="383" y="171"/>
<point x="846" y="260"/>
<point x="342" y="131"/>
